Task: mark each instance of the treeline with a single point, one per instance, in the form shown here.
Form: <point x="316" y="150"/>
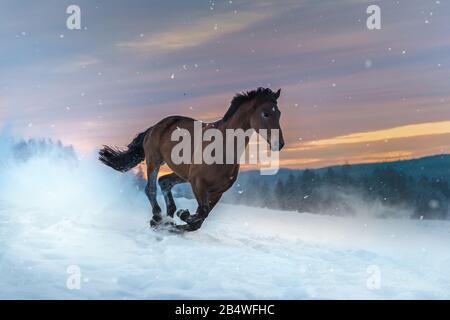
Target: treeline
<point x="26" y="149"/>
<point x="340" y="192"/>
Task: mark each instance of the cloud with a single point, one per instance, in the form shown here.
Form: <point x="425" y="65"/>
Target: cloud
<point x="76" y="63"/>
<point x="195" y="34"/>
<point x="407" y="131"/>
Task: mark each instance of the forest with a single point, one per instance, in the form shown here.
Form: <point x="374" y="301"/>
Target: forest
<point x="338" y="191"/>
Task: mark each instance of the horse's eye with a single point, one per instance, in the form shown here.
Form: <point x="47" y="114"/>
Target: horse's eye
<point x="265" y="114"/>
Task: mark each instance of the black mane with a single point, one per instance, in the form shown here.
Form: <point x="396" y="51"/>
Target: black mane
<point x="241" y="98"/>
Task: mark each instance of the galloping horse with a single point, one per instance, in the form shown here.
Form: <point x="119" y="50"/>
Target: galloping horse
<point x="255" y="110"/>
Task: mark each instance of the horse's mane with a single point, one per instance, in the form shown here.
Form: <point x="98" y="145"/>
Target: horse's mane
<point x="241" y="98"/>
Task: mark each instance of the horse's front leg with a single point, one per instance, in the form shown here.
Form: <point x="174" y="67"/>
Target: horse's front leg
<point x="194" y="222"/>
<point x="202" y="195"/>
<point x="166" y="183"/>
<point x="205" y="206"/>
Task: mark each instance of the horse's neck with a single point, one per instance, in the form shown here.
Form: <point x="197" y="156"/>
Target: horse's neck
<point x="239" y="120"/>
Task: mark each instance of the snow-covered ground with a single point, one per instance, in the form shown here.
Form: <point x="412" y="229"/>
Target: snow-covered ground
<point x="58" y="215"/>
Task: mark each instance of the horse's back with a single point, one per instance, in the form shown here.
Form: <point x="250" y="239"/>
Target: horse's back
<point x="158" y="143"/>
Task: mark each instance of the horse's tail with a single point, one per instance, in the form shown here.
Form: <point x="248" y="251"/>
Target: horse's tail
<point x="124" y="160"/>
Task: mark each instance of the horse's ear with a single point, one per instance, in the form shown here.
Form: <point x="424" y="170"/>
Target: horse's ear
<point x="277" y="94"/>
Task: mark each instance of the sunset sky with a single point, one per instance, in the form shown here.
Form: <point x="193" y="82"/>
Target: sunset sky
<point x="349" y="94"/>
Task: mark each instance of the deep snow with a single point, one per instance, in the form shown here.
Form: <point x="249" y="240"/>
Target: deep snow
<point x="55" y="213"/>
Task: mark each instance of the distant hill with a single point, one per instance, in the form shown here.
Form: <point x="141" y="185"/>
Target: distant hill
<point x="433" y="167"/>
<point x="422" y="186"/>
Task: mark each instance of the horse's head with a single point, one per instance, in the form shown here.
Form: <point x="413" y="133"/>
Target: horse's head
<point x="266" y="115"/>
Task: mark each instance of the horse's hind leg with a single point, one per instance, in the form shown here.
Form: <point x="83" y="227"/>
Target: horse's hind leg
<point x="151" y="191"/>
<point x="166" y="183"/>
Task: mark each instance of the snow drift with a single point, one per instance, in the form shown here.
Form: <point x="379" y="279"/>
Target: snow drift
<point x="58" y="210"/>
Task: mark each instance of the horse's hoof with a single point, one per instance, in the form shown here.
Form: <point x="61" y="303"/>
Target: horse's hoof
<point x="183" y="214"/>
<point x="154" y="223"/>
<point x="192" y="225"/>
<point x="171" y="227"/>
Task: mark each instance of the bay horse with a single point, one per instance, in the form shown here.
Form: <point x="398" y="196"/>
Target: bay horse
<point x="255" y="110"/>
